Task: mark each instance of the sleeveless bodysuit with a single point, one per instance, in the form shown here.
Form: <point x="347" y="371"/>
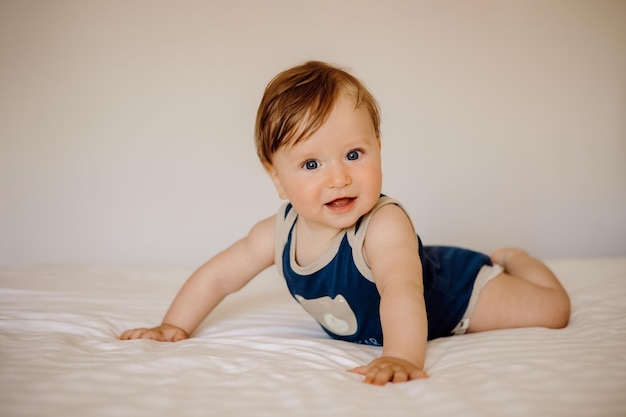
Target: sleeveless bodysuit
<point x="338" y="289"/>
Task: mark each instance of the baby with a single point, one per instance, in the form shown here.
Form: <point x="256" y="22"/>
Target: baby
<point x="349" y="254"/>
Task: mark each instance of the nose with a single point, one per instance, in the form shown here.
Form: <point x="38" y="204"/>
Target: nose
<point x="338" y="176"/>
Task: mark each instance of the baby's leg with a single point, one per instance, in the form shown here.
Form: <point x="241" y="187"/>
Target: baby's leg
<point x="527" y="294"/>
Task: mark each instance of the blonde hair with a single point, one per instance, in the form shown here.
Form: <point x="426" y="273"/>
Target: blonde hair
<point x="299" y="100"/>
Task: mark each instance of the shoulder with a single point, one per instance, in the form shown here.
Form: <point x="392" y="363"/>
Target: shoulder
<point x="260" y="238"/>
<point x="264" y="229"/>
<point x="390" y="230"/>
<point x="388" y="213"/>
<point x="391" y="246"/>
<point x="390" y="220"/>
<point x="264" y="226"/>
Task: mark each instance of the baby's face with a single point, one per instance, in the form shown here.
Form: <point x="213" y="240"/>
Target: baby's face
<point x="333" y="177"/>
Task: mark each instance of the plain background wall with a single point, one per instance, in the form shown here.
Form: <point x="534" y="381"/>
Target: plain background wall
<point x="126" y="127"/>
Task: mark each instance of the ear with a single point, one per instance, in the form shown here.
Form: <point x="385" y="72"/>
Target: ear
<point x="271" y="170"/>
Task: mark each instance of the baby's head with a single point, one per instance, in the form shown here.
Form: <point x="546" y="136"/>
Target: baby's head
<point x="297" y="102"/>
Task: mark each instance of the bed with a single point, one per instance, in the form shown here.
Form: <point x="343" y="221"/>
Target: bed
<point x="260" y="354"/>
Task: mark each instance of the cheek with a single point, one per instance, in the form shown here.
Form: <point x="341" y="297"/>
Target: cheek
<point x="373" y="175"/>
<point x="299" y="189"/>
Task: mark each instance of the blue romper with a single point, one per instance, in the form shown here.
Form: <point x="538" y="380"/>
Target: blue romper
<point x="338" y="289"/>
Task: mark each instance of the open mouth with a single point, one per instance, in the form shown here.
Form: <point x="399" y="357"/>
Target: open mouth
<point x="341" y="202"/>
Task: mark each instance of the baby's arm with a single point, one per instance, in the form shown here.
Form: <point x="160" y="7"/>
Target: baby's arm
<point x="223" y="274"/>
<point x="392" y="251"/>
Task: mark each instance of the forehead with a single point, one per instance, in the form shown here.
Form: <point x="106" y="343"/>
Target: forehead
<point x="342" y="115"/>
<point x="346" y="125"/>
<point x="346" y="117"/>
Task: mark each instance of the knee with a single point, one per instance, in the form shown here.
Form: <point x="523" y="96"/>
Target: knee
<point x="560" y="311"/>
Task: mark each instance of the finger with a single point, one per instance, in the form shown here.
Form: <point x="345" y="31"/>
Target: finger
<point x="129" y="334"/>
<point x="141" y="333"/>
<point x="153" y="335"/>
<point x="400" y="375"/>
<point x="137" y="334"/>
<point x="378" y="376"/>
<point x="361" y="370"/>
<point x="178" y="336"/>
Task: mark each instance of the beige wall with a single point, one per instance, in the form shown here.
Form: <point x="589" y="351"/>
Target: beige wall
<point x="126" y="126"/>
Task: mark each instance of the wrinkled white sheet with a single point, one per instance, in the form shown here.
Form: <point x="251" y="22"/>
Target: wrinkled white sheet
<point x="260" y="354"/>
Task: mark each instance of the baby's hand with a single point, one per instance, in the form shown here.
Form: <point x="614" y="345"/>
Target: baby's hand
<point x="162" y="333"/>
<point x="389" y="369"/>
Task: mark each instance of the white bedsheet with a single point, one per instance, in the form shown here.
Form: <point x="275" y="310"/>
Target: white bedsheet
<point x="260" y="354"/>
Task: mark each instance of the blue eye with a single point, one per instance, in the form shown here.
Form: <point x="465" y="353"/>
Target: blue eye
<point x="353" y="155"/>
<point x="311" y="164"/>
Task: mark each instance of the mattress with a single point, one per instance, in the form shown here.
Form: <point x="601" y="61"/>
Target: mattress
<point x="260" y="354"/>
